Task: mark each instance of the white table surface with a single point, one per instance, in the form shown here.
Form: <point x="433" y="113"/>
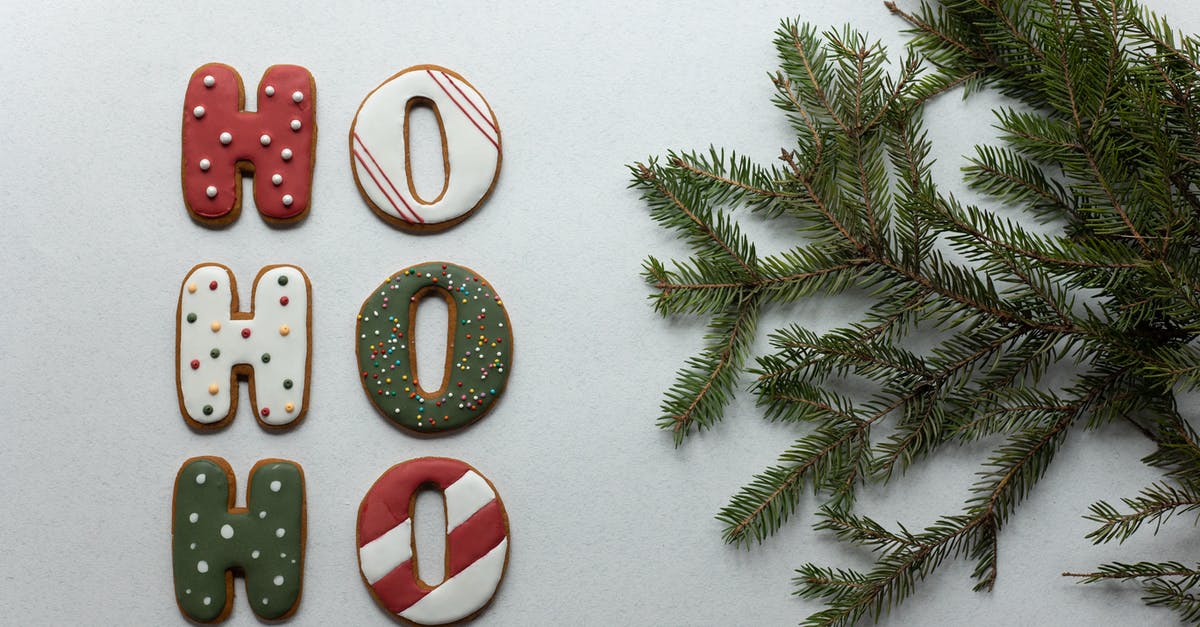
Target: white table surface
<point x="610" y="523"/>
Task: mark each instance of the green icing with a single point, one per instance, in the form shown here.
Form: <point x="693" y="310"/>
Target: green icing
<point x="480" y="348"/>
<point x="208" y="539"/>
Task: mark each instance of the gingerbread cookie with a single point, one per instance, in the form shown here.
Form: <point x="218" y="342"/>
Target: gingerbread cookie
<point x="221" y="142"/>
<point x="379" y="148"/>
<point x="211" y="539"/>
<point x="476" y="542"/>
<point x="478" y="348"/>
<point x="270" y="346"/>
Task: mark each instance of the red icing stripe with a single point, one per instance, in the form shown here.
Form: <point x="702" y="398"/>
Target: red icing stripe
<point x="385" y="177"/>
<point x="486" y="118"/>
<point x="398" y="590"/>
<point x="385" y="194"/>
<point x="460" y="108"/>
<point x="386" y="503"/>
<point x="474" y="538"/>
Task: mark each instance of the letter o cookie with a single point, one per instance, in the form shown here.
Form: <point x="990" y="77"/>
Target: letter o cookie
<point x="478" y="349"/>
<point x="382" y="164"/>
<point x="476" y="541"/>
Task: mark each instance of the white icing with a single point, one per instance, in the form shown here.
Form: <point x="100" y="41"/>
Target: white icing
<point x="226" y="138"/>
<point x="193" y="517"/>
<point x="226" y="531"/>
<point x="254" y="554"/>
<point x="279" y="533"/>
<point x="205" y="164"/>
<point x="276" y="485"/>
<point x="207" y="600"/>
<point x="463" y="594"/>
<point x="465" y="497"/>
<point x="198" y="112"/>
<point x="289" y="353"/>
<point x="278" y="580"/>
<point x="209" y="81"/>
<point x="383" y="554"/>
<point x="379" y="150"/>
<point x="200" y="478"/>
<point x="202" y="566"/>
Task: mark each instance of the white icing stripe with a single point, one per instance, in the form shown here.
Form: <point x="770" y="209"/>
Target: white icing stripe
<point x="465" y="497"/>
<point x="463" y="594"/>
<point x="469" y="129"/>
<point x="276" y="354"/>
<point x="383" y="554"/>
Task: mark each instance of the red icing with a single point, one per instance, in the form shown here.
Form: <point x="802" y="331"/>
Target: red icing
<point x="387" y="504"/>
<point x="223" y="104"/>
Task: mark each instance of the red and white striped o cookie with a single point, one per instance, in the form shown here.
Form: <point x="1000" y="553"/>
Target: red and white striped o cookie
<point x="476" y="541"/>
<point x="379" y="151"/>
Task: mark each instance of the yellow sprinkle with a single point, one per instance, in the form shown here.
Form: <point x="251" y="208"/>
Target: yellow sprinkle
<point x="216" y="326"/>
<point x="191" y="288"/>
<point x="213" y="389"/>
<point x="289" y="407"/>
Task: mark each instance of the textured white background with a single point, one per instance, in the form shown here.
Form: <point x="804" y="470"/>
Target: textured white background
<point x="610" y="523"/>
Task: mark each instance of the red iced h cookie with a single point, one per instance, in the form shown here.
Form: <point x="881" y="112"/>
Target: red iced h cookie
<point x="221" y="142"/>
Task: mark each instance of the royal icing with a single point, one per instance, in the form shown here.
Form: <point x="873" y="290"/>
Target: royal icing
<point x="476" y="541"/>
<point x="470" y="147"/>
<point x="221" y="141"/>
<point x="264" y="542"/>
<point x="217" y="343"/>
<point x="478" y="349"/>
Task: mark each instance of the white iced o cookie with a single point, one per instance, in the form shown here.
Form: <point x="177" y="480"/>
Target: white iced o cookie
<point x="379" y="148"/>
<point x="216" y="343"/>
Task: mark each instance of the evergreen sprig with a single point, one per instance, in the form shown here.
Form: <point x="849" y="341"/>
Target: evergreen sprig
<point x="1105" y="147"/>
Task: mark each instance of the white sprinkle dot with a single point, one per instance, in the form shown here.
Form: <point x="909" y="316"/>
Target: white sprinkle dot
<point x="279" y="532"/>
<point x="262" y="514"/>
<point x="275" y="485"/>
<point x="226" y="138"/>
<point x="193" y="517"/>
<point x="278" y="580"/>
<point x="295" y="125"/>
<point x="188" y="591"/>
<point x="226" y="531"/>
<point x="200" y="478"/>
<point x="254" y="554"/>
<point x="192" y="546"/>
<point x="265" y="139"/>
<point x="297" y="96"/>
<point x="198" y="112"/>
<point x="277" y="179"/>
<point x="205" y="164"/>
<point x="211" y="192"/>
<point x="286" y="153"/>
<point x="264" y="600"/>
<point x="287" y="200"/>
<point x="207" y="600"/>
<point x="270" y="90"/>
<point x="209" y="81"/>
<point x="202" y="566"/>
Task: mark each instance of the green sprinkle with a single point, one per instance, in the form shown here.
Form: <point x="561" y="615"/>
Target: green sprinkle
<point x="283" y="280"/>
<point x="287" y="384"/>
<point x="266" y="358"/>
<point x="215" y="353"/>
<point x="191" y="318"/>
<point x="207" y="410"/>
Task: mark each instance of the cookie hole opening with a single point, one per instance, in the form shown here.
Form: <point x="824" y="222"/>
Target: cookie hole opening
<point x="430" y="338"/>
<point x="429" y="536"/>
<point x="425" y="147"/>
